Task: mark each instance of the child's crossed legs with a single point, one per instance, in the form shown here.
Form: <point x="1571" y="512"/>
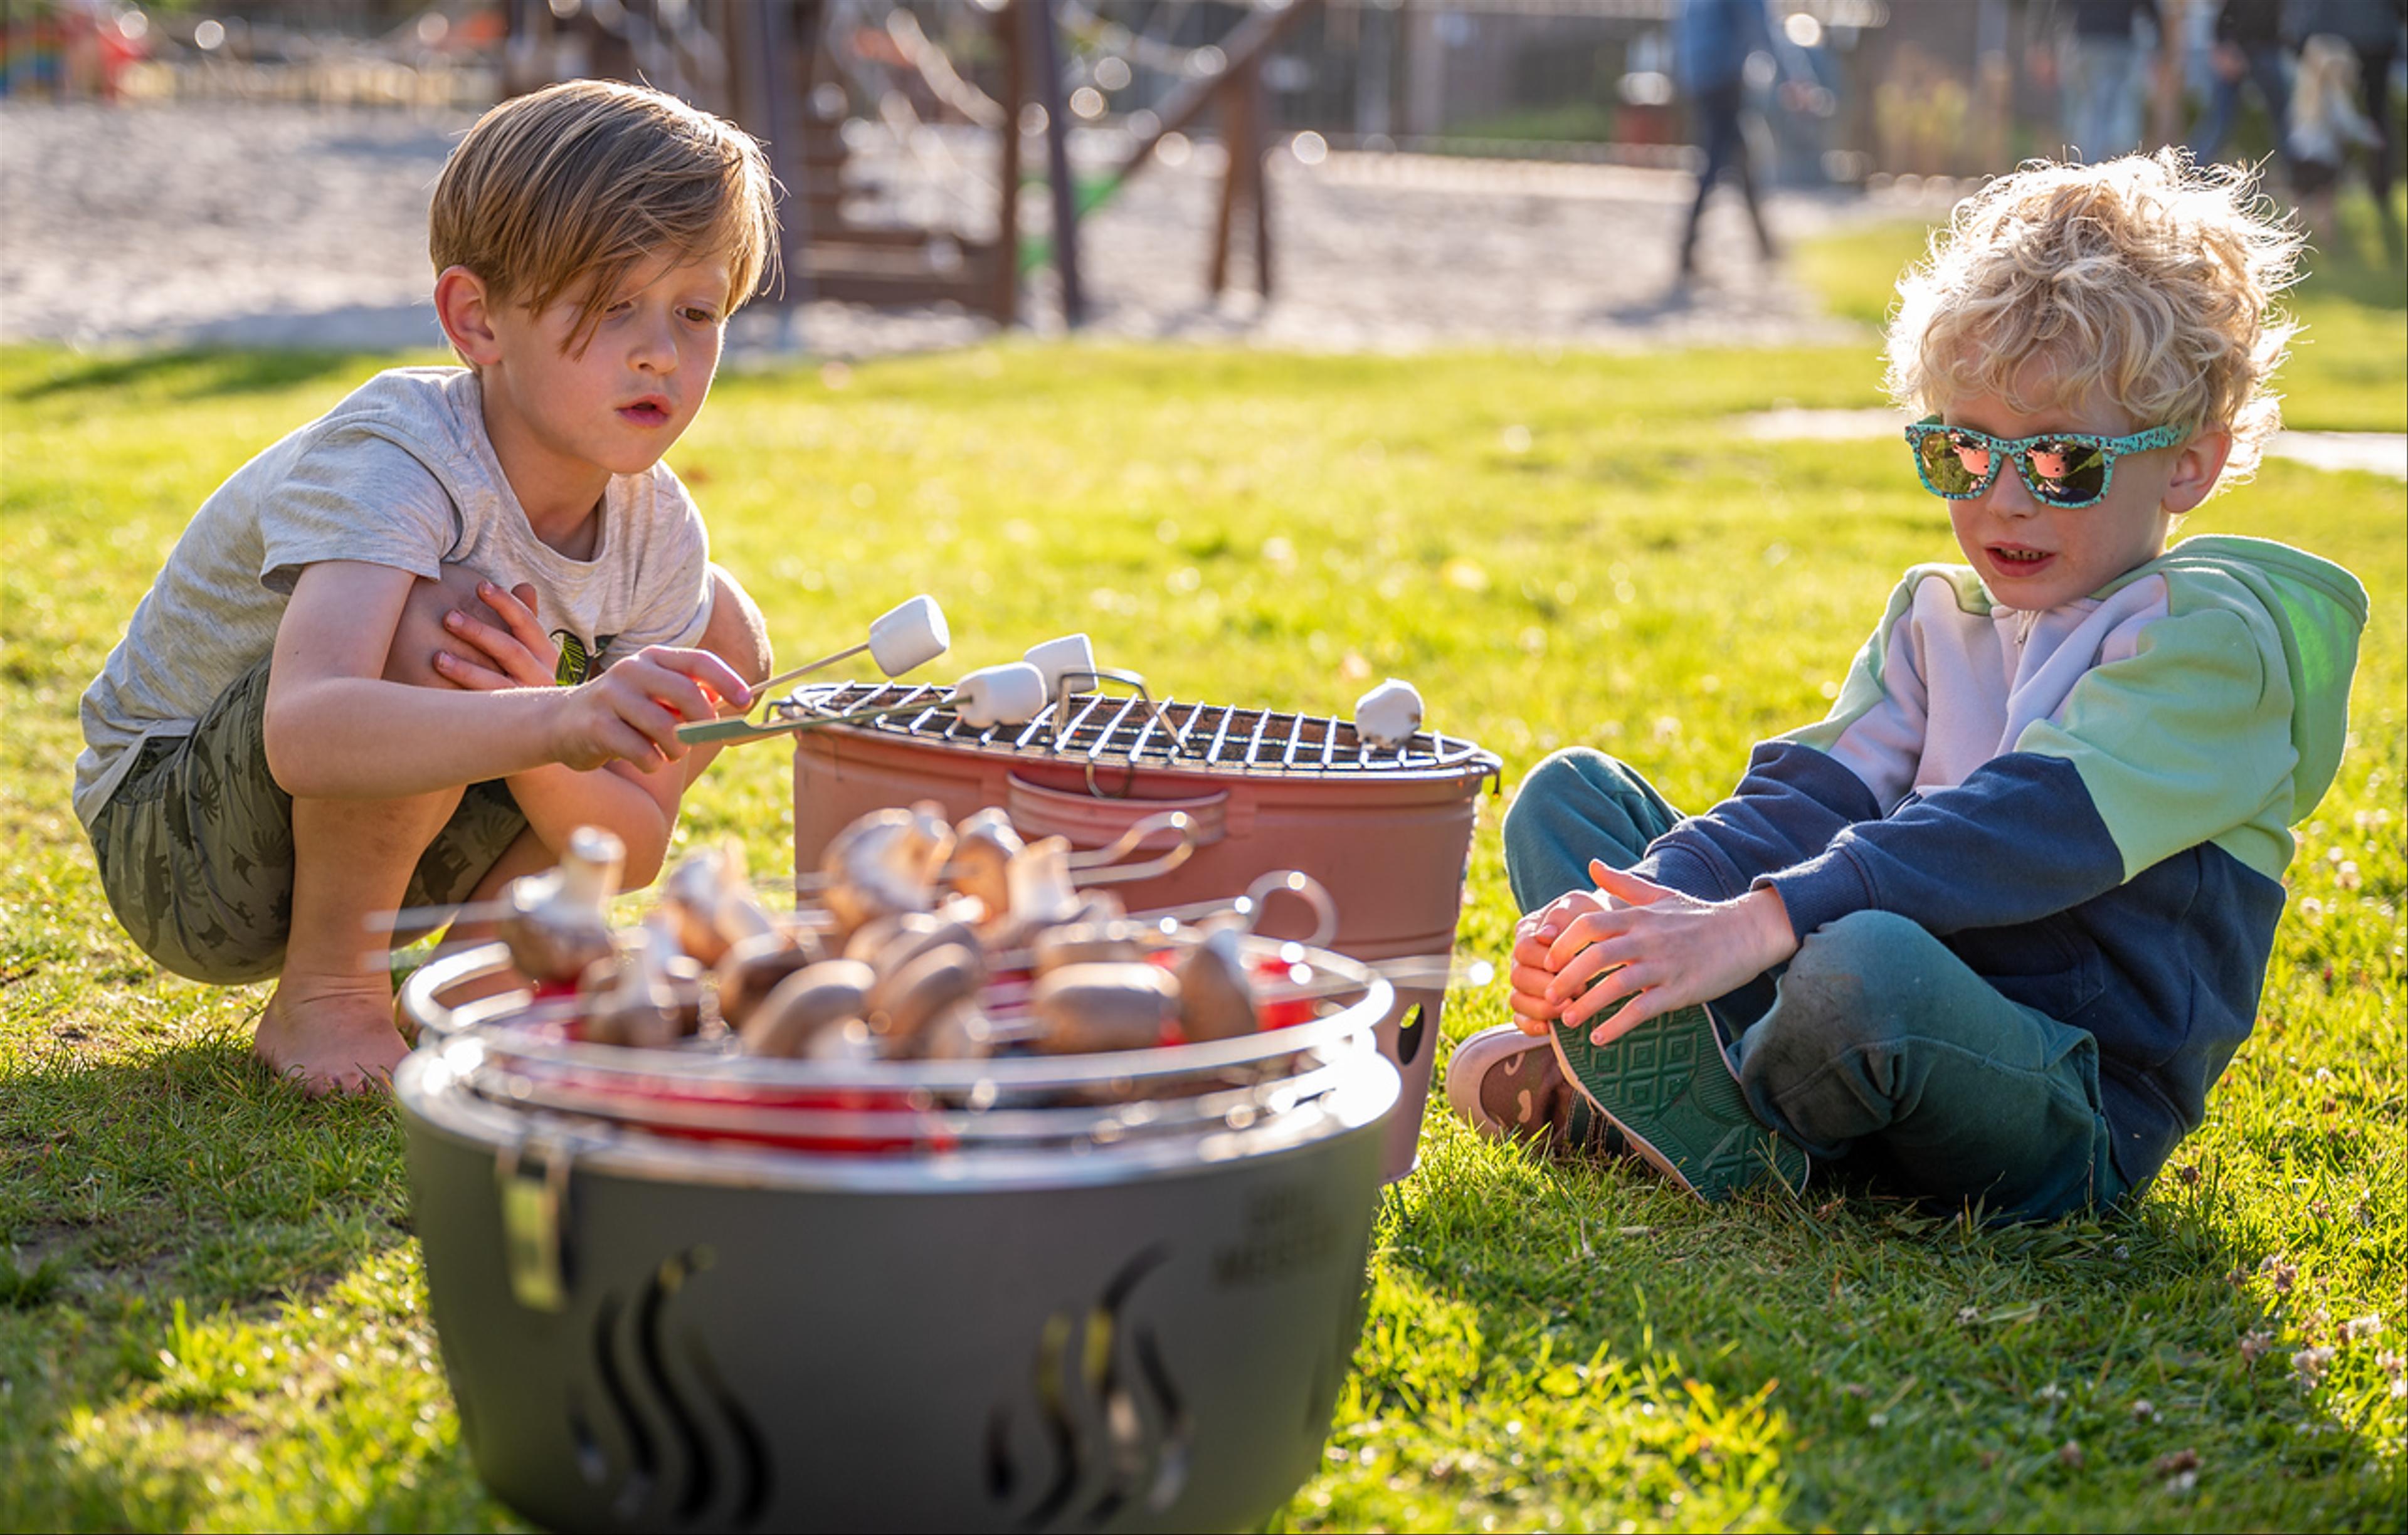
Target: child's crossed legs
<point x="1875" y="1043"/>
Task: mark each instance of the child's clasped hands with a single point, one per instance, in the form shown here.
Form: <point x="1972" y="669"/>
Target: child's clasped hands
<point x="1629" y="938"/>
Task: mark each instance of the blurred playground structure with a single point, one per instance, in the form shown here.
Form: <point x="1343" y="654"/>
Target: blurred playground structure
<point x="1913" y="87"/>
<point x="940" y="151"/>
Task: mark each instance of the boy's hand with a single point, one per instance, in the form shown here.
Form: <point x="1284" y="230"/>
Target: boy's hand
<point x="1528" y="972"/>
<point x="1662" y="948"/>
<point x="631" y="711"/>
<point x="519" y="652"/>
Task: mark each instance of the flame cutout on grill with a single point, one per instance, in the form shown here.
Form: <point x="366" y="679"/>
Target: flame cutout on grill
<point x="701" y="1478"/>
<point x="1409" y="1036"/>
<point x="1102" y="1368"/>
<point x="751" y="1450"/>
<point x="645" y="1463"/>
<point x="649" y="1406"/>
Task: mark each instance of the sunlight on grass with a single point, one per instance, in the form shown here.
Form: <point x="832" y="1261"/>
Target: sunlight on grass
<point x="217" y="1319"/>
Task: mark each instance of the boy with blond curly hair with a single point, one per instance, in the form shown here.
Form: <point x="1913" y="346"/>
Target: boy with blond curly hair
<point x="1991" y="930"/>
<point x="397" y="656"/>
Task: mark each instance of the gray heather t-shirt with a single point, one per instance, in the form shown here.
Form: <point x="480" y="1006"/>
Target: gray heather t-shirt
<point x="402" y="474"/>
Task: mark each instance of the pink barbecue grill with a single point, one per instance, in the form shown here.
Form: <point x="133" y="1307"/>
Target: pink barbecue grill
<point x="1387" y="830"/>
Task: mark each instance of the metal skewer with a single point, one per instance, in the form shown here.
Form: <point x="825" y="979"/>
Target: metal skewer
<point x="1415" y="969"/>
<point x="742" y="728"/>
<point x="1098" y="865"/>
<point x="821" y="665"/>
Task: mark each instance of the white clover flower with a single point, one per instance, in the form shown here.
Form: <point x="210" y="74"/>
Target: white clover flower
<point x="2308" y="1366"/>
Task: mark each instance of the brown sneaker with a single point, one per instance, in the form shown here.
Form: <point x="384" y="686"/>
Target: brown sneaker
<point x="1510" y="1086"/>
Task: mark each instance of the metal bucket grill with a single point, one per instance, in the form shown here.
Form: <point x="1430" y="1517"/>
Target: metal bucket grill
<point x="1387" y="832"/>
<point x="1053" y="1313"/>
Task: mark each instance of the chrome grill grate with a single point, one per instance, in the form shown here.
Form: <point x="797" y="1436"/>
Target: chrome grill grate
<point x="1130" y="730"/>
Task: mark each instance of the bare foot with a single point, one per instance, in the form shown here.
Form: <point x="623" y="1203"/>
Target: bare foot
<point x="330" y="1037"/>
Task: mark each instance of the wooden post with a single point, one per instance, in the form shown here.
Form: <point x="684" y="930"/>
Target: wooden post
<point x="1232" y="112"/>
<point x="1244" y="182"/>
<point x="2166" y="75"/>
<point x="1007" y="217"/>
<point x="1258" y="173"/>
<point x="774" y="80"/>
<point x="1045" y="55"/>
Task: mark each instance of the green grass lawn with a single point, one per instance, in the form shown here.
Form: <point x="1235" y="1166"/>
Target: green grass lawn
<point x="2347" y="373"/>
<point x="211" y="1310"/>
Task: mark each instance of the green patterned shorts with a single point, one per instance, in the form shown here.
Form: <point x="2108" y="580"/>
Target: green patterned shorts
<point x="195" y="847"/>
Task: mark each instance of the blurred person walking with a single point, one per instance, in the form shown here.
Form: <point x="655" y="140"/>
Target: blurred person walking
<point x="1711" y="42"/>
<point x="2371" y="31"/>
<point x="2325" y="122"/>
<point x="2251" y="49"/>
<point x="2102" y="75"/>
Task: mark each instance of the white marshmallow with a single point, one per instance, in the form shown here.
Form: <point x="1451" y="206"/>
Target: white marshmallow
<point x="1071" y="652"/>
<point x="912" y="635"/>
<point x="1386" y="717"/>
<point x="1011" y="694"/>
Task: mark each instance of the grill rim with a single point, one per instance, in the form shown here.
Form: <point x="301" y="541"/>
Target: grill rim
<point x="1429" y="755"/>
<point x="490" y="1022"/>
<point x="434" y="1091"/>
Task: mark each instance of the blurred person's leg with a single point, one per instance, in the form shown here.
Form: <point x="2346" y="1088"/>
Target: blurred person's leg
<point x="2103" y="96"/>
<point x="2375" y="94"/>
<point x="1746" y="165"/>
<point x="1720" y="136"/>
<point x="2216" y="125"/>
<point x="2121" y="105"/>
<point x="2076" y="67"/>
<point x="2270" y="70"/>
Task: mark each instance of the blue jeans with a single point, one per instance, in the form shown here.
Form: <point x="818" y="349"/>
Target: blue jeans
<point x="2270" y="71"/>
<point x="1875" y="1044"/>
<point x="2102" y="96"/>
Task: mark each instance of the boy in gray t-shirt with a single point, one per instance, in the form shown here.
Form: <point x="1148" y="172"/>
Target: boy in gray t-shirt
<point x="399" y="654"/>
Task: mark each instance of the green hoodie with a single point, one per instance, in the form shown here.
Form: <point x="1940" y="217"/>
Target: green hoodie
<point x="2090" y="805"/>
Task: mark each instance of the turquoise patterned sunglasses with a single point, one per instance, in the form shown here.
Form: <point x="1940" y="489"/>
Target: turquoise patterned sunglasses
<point x="2059" y="469"/>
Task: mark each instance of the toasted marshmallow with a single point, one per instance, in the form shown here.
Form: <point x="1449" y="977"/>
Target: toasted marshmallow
<point x="1072" y="652"/>
<point x="1388" y="716"/>
<point x="912" y="635"/>
<point x="1011" y="694"/>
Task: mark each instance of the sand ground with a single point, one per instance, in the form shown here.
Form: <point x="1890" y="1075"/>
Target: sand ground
<point x="267" y="225"/>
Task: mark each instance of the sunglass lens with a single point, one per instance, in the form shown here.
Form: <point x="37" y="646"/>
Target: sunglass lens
<point x="2067" y="474"/>
<point x="1950" y="466"/>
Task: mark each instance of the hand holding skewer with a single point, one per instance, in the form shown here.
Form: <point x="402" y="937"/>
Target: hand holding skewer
<point x="908" y="635"/>
<point x="630" y="711"/>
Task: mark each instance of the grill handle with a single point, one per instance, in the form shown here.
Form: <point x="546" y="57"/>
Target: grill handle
<point x="1092" y="822"/>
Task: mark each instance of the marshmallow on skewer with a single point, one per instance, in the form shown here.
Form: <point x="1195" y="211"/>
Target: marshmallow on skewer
<point x="1072" y="652"/>
<point x="911" y="635"/>
<point x="1011" y="694"/>
<point x="1388" y="716"/>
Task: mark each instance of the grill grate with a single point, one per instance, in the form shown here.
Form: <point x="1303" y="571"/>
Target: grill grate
<point x="1132" y="731"/>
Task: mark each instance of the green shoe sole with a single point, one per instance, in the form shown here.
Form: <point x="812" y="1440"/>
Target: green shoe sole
<point x="1667" y="1087"/>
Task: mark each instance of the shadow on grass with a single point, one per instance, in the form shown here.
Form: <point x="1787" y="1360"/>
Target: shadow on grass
<point x="1919" y="1357"/>
<point x="186" y="373"/>
<point x="185" y="1167"/>
<point x="191" y="1243"/>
